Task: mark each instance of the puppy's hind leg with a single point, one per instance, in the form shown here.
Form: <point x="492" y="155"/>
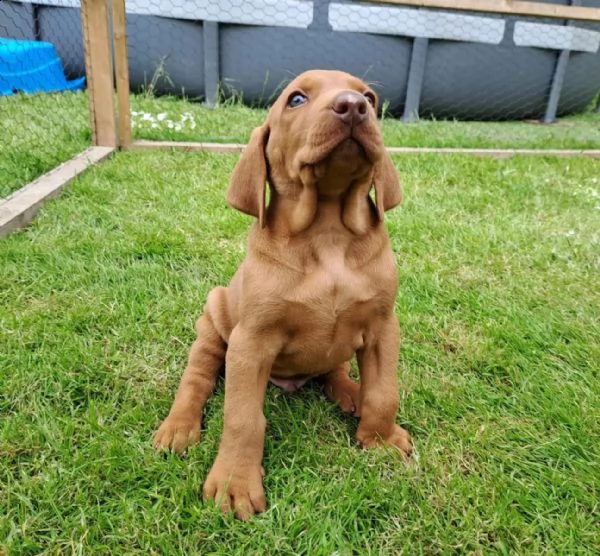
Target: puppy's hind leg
<point x="181" y="428"/>
<point x="342" y="390"/>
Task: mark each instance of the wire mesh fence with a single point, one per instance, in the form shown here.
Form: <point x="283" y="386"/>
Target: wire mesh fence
<point x="43" y="106"/>
<point x="424" y="63"/>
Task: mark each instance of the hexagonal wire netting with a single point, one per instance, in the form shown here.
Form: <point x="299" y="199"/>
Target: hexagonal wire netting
<point x="44" y="118"/>
<point x="422" y="62"/>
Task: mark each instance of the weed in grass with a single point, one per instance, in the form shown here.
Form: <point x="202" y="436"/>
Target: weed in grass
<point x="144" y="120"/>
<point x="160" y="77"/>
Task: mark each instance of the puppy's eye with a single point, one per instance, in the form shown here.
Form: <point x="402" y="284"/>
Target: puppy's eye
<point x="296" y="99"/>
<point x="370" y="98"/>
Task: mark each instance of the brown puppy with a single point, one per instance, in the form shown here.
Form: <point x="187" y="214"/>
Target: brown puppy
<point x="317" y="286"/>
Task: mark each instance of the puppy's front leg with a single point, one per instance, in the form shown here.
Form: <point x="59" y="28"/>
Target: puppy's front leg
<point x="377" y="362"/>
<point x="235" y="480"/>
<point x="181" y="428"/>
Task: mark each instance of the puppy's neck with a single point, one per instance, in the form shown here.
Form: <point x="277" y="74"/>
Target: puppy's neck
<point x="289" y="215"/>
<point x="351" y="211"/>
<point x="295" y="208"/>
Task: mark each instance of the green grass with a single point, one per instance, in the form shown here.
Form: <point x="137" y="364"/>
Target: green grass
<point x="581" y="131"/>
<point x="499" y="304"/>
<point x="39" y="132"/>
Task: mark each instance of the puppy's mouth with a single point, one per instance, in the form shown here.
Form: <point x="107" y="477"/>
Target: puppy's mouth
<point x="346" y="162"/>
<point x="349" y="148"/>
<point x="354" y="145"/>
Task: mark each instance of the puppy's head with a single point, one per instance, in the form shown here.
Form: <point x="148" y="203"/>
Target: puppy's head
<point x="321" y="138"/>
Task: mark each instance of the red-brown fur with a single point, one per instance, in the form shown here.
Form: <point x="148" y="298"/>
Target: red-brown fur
<point x="317" y="285"/>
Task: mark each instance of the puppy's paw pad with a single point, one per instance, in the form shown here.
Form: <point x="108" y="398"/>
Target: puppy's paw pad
<point x="176" y="434"/>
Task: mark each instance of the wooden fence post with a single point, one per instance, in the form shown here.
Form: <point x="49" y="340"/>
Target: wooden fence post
<point x="97" y="38"/>
<point x="121" y="72"/>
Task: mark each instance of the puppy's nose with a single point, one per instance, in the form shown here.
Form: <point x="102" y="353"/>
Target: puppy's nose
<point x="350" y="107"/>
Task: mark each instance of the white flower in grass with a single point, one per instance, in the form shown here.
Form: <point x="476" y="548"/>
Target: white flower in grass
<point x="193" y="125"/>
<point x="570" y="233"/>
<point x="160" y="117"/>
<point x="134" y="113"/>
<point x="169" y="124"/>
<point x="148" y="117"/>
<point x="178" y="127"/>
<point x="154" y="125"/>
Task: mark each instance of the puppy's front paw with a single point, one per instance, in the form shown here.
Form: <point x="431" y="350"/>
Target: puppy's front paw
<point x="236" y="488"/>
<point x="399" y="439"/>
<point x="177" y="433"/>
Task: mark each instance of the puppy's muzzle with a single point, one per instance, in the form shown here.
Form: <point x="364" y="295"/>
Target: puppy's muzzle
<point x="351" y="108"/>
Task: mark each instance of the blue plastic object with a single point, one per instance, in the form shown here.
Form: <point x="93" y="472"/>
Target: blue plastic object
<point x="32" y="67"/>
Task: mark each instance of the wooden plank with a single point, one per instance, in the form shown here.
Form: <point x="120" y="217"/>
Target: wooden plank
<point x="229" y="148"/>
<point x="505" y="7"/>
<point x="99" y="71"/>
<point x="497" y="153"/>
<point x="223" y="148"/>
<point x="121" y="71"/>
<point x="20" y="208"/>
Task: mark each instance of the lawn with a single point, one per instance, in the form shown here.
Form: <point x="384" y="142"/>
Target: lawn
<point x="499" y="304"/>
<point x="39" y="132"/>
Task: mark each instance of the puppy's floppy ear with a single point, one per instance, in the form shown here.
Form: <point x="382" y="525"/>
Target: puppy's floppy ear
<point x="247" y="187"/>
<point x="388" y="192"/>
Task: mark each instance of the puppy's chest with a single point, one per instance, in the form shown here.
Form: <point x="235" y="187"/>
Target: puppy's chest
<point x="332" y="284"/>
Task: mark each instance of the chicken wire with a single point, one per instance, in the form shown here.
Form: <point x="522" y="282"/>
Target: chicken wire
<point x="44" y="118"/>
<point x="422" y="62"/>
